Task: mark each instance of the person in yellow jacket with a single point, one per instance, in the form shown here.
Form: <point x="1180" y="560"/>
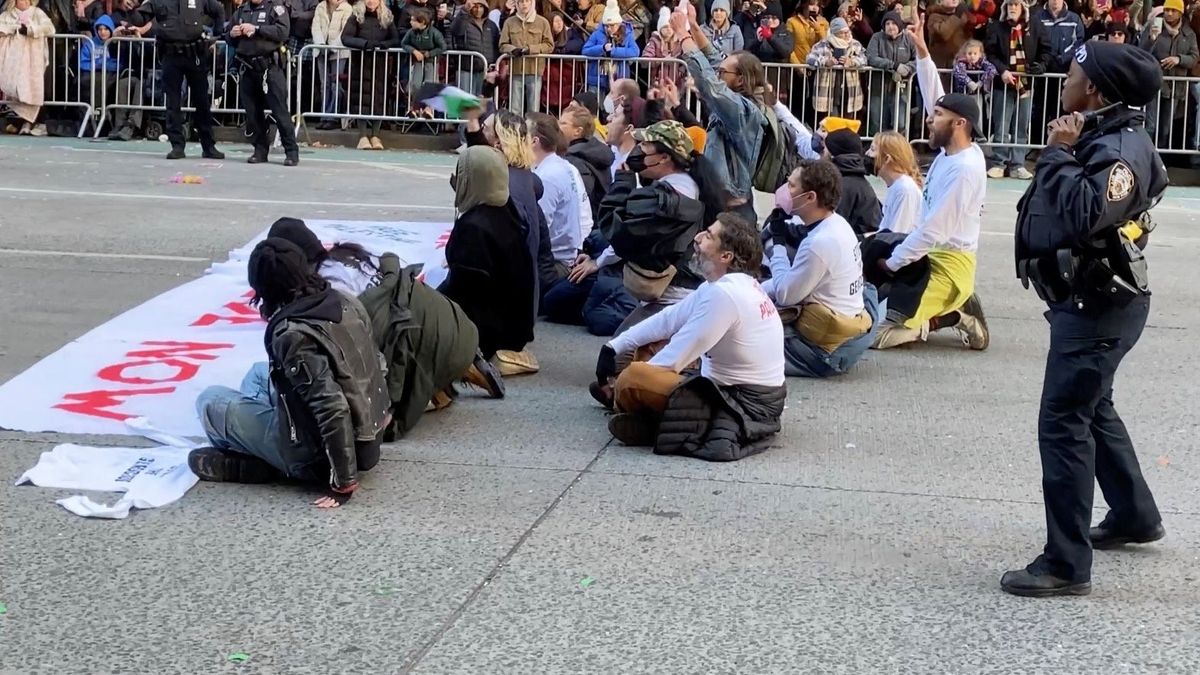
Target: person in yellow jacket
<point x="808" y="28"/>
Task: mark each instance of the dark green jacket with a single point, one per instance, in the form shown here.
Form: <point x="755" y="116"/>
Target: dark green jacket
<point x="426" y="338"/>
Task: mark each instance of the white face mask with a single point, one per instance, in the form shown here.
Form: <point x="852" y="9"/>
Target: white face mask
<point x="609" y="106"/>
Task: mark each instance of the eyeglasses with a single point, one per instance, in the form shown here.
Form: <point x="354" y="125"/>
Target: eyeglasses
<point x="726" y="71"/>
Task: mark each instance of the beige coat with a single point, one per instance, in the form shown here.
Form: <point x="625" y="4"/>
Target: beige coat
<point x="327" y="27"/>
<point x="534" y="36"/>
<point x="23" y="59"/>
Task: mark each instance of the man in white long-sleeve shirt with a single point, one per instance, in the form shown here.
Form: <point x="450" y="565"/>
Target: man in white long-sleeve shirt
<point x="564" y="197"/>
<point x="947" y="230"/>
<point x="728" y="324"/>
<point x="836" y="310"/>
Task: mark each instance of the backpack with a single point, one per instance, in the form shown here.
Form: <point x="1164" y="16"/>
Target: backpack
<point x="777" y="157"/>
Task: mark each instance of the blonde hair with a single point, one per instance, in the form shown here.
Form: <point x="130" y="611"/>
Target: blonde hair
<point x="968" y="46"/>
<point x="384" y="14"/>
<point x="513" y="139"/>
<point x="892" y="150"/>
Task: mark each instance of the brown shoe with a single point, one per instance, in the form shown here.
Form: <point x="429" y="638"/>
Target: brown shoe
<point x="440" y="401"/>
<point x="484" y="375"/>
<point x="511" y="364"/>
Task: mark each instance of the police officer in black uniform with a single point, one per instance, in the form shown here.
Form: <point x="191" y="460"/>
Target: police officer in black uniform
<point x="184" y="53"/>
<point x="1082" y="226"/>
<point x="258" y="30"/>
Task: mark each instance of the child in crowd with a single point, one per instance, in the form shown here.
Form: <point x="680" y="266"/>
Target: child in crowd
<point x="973" y="74"/>
<point x="424" y="45"/>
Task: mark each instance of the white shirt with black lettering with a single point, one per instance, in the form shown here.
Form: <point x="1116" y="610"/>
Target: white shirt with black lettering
<point x="827" y="269"/>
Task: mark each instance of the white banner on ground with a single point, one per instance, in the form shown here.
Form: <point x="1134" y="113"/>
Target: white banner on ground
<point x="153" y="360"/>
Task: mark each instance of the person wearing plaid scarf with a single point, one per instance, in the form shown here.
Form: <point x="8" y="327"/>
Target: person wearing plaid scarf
<point x="1013" y="51"/>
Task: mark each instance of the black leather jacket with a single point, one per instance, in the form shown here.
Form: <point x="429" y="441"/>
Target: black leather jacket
<point x="329" y="376"/>
<point x="652" y="226"/>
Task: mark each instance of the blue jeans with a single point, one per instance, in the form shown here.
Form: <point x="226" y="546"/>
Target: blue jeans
<point x="526" y="91"/>
<point x="246" y="421"/>
<point x="804" y="359"/>
<point x="1010" y="124"/>
<point x="331" y="85"/>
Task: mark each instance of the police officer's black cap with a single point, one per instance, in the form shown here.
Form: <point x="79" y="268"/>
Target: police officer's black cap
<point x="1122" y="73"/>
<point x="295" y="231"/>
<point x="964" y="106"/>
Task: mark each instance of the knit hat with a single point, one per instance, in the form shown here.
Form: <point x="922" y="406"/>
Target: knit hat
<point x="612" y="13"/>
<point x="699" y="138"/>
<point x="277" y="268"/>
<point x="838" y="25"/>
<point x="1123" y="73"/>
<point x="1176" y="5"/>
<point x="671" y="135"/>
<point x="295" y="231"/>
<point x="719" y="4"/>
<point x="664" y="17"/>
<point x="832" y="124"/>
<point x="843" y="142"/>
<point x="589" y="100"/>
<point x="894" y="17"/>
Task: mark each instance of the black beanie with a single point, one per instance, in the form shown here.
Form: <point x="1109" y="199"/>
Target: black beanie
<point x="277" y="269"/>
<point x="295" y="231"/>
<point x="843" y="142"/>
<point x="1122" y="73"/>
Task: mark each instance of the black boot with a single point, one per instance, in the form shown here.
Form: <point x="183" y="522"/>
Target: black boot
<point x="1108" y="535"/>
<point x="291" y="160"/>
<point x="1036" y="582"/>
<point x="257" y="158"/>
<point x="176" y="153"/>
<point x="213" y="464"/>
<point x="213" y="153"/>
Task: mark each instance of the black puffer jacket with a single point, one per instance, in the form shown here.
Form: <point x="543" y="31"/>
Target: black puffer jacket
<point x="594" y="161"/>
<point x="719" y="424"/>
<point x="858" y="205"/>
<point x="652" y="226"/>
<point x="330" y="381"/>
<point x="902" y="290"/>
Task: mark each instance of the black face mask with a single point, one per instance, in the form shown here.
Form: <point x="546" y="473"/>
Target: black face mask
<point x="636" y="161"/>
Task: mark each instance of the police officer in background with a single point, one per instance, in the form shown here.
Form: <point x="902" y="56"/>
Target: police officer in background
<point x="258" y="30"/>
<point x="1082" y="226"/>
<point x="185" y="53"/>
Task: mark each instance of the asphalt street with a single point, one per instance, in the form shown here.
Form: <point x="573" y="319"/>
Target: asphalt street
<point x="516" y="536"/>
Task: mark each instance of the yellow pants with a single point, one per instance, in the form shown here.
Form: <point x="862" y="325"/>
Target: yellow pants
<point x="951" y="283"/>
<point x="644" y="388"/>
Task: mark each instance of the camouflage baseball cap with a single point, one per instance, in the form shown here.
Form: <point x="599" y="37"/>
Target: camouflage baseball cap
<point x="671" y="135"/>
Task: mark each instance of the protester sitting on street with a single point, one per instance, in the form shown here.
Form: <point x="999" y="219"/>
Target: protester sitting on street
<point x="729" y="325"/>
<point x="564" y="199"/>
<point x="591" y="157"/>
<point x="626" y="117"/>
<point x="653" y="227"/>
<point x="491" y="274"/>
<point x="938" y="291"/>
<point x="829" y="312"/>
<point x="318" y="411"/>
<point x="859" y="205"/>
<point x="897" y="166"/>
<point x="426" y="339"/>
<point x="587" y="100"/>
<point x="731" y="89"/>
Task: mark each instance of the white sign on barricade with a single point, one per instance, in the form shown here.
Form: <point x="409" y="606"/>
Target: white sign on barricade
<point x="154" y="360"/>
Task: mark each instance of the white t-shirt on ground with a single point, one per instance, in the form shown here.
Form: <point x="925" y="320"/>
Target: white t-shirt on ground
<point x="901" y="206"/>
<point x="827" y="269"/>
<point x="729" y="324"/>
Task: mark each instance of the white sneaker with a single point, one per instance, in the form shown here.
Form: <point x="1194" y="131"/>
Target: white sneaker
<point x="1021" y="173"/>
<point x="972" y="324"/>
<point x="996" y="172"/>
<point x="38" y="130"/>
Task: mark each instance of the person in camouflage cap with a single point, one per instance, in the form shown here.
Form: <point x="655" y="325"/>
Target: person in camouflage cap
<point x="671" y="137"/>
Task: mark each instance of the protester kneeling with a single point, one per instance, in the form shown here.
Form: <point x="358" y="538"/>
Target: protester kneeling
<point x="830" y="314"/>
<point x="318" y="409"/>
<point x="727" y="410"/>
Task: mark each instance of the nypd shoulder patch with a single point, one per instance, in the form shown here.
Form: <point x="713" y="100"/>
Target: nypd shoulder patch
<point x="1120" y="182"/>
<point x="279" y="10"/>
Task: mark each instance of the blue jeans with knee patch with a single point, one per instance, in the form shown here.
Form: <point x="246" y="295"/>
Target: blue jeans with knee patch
<point x="804" y="359"/>
<point x="247" y="421"/>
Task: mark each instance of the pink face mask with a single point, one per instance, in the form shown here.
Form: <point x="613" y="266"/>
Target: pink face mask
<point x="783" y="198"/>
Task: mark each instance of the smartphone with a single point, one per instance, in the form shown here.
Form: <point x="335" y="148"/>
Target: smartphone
<point x="1158" y="23"/>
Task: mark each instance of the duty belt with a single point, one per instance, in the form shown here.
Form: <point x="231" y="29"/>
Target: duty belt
<point x="262" y="62"/>
<point x="194" y="49"/>
<point x="1081" y="279"/>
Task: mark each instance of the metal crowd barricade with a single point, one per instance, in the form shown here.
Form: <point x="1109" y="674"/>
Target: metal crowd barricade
<point x="562" y="76"/>
<point x="1171" y="118"/>
<point x="138" y="82"/>
<point x="65" y="87"/>
<point x="339" y="83"/>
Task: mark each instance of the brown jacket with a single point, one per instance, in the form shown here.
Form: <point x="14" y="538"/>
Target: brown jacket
<point x="947" y="31"/>
<point x="533" y="36"/>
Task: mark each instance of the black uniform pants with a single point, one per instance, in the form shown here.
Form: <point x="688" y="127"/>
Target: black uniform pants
<point x="1081" y="437"/>
<point x="257" y="102"/>
<point x="177" y="67"/>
